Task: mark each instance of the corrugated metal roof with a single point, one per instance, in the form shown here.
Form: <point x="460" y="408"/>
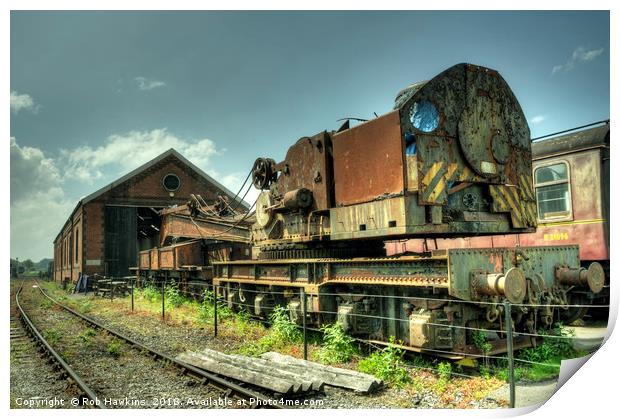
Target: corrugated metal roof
<point x="587" y="138"/>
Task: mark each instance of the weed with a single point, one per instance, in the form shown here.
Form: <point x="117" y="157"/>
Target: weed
<point x="485" y="371"/>
<point x="86" y="306"/>
<point x="337" y="345"/>
<point x="52" y="336"/>
<point x="557" y="346"/>
<point x="282" y="326"/>
<point x="206" y="308"/>
<point x="419" y="361"/>
<point x="481" y="342"/>
<point x="86" y="335"/>
<point x="282" y="332"/>
<point x="444" y="369"/>
<point x="173" y="295"/>
<point x="387" y="364"/>
<point x="46" y="304"/>
<point x="67" y="354"/>
<point x="151" y="293"/>
<point x="114" y="348"/>
<point x="242" y="323"/>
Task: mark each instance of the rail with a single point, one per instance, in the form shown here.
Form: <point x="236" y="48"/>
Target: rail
<point x="256" y="399"/>
<point x="86" y="390"/>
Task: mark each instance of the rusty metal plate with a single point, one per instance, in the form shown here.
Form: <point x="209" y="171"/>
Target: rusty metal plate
<point x="308" y="165"/>
<point x="368" y="161"/>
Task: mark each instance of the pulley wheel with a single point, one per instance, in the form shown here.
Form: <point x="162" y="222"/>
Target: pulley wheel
<point x="264" y="214"/>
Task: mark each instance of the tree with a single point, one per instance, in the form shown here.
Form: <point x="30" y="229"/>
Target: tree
<point x="28" y="265"/>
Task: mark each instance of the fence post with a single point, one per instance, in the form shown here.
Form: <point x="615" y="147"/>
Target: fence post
<point x="303" y="321"/>
<point x="163" y="299"/>
<point x="132" y="283"/>
<point x="509" y="347"/>
<point x="214" y="310"/>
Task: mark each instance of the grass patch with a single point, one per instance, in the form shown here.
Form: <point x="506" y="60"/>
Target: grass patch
<point x="52" y="336"/>
<point x="554" y="348"/>
<point x="150" y="293"/>
<point x="114" y="349"/>
<point x="173" y="295"/>
<point x="387" y="365"/>
<point x="86" y="306"/>
<point x="282" y="332"/>
<point x="46" y="304"/>
<point x="87" y="335"/>
<point x="337" y="345"/>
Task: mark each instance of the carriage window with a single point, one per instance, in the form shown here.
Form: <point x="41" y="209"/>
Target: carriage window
<point x="552" y="191"/>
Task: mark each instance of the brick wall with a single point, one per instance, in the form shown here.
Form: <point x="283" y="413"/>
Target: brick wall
<point x="144" y="189"/>
<point x="147" y="187"/>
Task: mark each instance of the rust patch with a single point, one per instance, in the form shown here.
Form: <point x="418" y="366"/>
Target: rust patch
<point x="368" y="161"/>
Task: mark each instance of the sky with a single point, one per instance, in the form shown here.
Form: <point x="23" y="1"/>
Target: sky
<point x="94" y="95"/>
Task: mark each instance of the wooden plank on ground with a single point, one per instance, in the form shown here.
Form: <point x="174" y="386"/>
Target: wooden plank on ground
<point x="278" y="385"/>
<point x="332" y="376"/>
<point x="307" y="380"/>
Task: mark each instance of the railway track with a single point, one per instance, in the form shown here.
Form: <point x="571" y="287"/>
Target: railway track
<point x="40" y="377"/>
<point x="126" y="373"/>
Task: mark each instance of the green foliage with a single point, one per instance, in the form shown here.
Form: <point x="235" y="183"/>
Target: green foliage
<point x="542" y="361"/>
<point x="151" y="293"/>
<point x="28" y="265"/>
<point x="242" y="322"/>
<point x="444" y="369"/>
<point x="519" y="373"/>
<point x="173" y="295"/>
<point x="480" y="341"/>
<point x="86" y="335"/>
<point x="114" y="348"/>
<point x="46" y="304"/>
<point x="206" y="308"/>
<point x="387" y="364"/>
<point x="485" y="371"/>
<point x="556" y="347"/>
<point x="282" y="332"/>
<point x="337" y="345"/>
<point x="282" y="326"/>
<point x="52" y="336"/>
<point x="86" y="306"/>
<point x="420" y="361"/>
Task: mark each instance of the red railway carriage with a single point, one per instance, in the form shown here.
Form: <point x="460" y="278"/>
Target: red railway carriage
<point x="571" y="184"/>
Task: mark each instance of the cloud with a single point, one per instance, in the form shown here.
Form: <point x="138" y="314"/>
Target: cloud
<point x="234" y="181"/>
<point x="127" y="151"/>
<point x="39" y="206"/>
<point x="31" y="171"/>
<point x="148" y="84"/>
<point x="537" y="119"/>
<point x="22" y="102"/>
<point x="580" y="55"/>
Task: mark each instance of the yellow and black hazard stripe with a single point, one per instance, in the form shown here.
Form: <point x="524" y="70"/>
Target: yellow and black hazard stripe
<point x="434" y="184"/>
<point x="466" y="174"/>
<point x="506" y="199"/>
<point x="527" y="188"/>
<point x="451" y="172"/>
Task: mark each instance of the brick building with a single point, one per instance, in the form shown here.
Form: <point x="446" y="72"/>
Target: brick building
<point x="108" y="228"/>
